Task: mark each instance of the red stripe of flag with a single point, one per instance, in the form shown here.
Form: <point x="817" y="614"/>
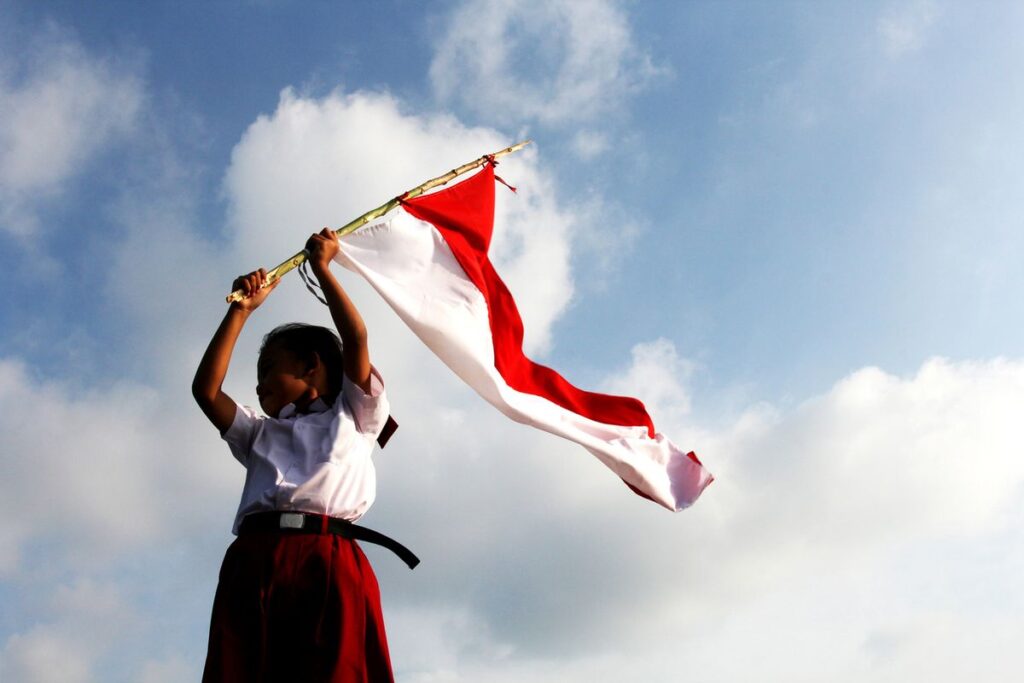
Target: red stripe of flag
<point x="464" y="214"/>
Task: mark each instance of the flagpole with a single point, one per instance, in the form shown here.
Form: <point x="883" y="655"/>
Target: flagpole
<point x="297" y="260"/>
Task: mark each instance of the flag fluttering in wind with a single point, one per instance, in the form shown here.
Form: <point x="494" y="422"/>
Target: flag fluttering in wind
<point x="428" y="259"/>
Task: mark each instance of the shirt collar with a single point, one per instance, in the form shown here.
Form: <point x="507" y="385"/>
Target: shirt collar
<point x="317" y="406"/>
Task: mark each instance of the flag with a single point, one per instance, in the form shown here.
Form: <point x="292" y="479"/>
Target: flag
<point x="428" y="259"/>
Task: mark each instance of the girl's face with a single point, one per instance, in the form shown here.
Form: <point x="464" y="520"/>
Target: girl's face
<point x="282" y="379"/>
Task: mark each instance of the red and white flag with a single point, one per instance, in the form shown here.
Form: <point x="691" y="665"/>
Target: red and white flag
<point x="428" y="259"/>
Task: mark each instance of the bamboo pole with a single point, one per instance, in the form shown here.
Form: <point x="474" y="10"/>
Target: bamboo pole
<point x="297" y="260"/>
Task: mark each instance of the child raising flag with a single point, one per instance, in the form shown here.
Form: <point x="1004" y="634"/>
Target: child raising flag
<point x="297" y="599"/>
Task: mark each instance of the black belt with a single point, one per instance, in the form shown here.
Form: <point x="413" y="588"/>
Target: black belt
<point x="305" y="522"/>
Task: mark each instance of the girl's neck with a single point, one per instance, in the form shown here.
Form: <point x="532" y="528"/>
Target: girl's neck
<point x="303" y="402"/>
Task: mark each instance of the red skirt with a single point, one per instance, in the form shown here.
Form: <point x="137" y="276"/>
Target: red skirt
<point x="297" y="608"/>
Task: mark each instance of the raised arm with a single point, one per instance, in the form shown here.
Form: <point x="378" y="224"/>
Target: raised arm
<point x="206" y="387"/>
<point x="322" y="247"/>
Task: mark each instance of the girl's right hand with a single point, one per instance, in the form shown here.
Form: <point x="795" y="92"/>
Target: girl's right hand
<point x="253" y="289"/>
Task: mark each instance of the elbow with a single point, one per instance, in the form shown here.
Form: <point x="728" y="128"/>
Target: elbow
<point x="360" y="335"/>
<point x="202" y="393"/>
<point x="355" y="337"/>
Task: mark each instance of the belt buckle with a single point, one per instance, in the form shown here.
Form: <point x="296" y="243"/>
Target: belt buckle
<point x="291" y="520"/>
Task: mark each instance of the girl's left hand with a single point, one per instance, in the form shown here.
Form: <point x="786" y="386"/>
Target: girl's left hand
<point x="322" y="247"/>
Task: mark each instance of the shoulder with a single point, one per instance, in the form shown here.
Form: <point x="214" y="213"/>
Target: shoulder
<point x="353" y="391"/>
<point x="369" y="409"/>
<point x="243" y="431"/>
<point x="246" y="418"/>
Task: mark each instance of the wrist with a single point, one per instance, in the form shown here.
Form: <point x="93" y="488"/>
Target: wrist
<point x="239" y="310"/>
<point x="320" y="268"/>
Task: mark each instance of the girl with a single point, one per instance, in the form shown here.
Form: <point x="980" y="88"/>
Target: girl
<point x="297" y="600"/>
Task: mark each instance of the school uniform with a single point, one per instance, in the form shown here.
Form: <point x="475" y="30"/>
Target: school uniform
<point x="297" y="600"/>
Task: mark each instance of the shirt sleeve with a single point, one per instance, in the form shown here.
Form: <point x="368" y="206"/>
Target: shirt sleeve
<point x="369" y="410"/>
<point x="241" y="433"/>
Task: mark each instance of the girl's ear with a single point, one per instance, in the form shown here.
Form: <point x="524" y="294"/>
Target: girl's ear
<point x="314" y="363"/>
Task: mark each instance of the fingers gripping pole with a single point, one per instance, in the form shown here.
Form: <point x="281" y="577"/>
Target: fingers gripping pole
<point x="298" y="259"/>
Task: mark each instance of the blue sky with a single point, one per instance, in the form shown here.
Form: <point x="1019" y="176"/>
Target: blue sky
<point x="791" y="228"/>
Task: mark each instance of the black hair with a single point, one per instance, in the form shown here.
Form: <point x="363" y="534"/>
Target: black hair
<point x="302" y="341"/>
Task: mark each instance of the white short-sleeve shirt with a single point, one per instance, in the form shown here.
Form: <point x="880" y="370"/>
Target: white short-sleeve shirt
<point x="318" y="461"/>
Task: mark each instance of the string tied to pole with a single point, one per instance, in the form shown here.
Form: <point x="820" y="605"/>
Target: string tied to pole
<point x="308" y="280"/>
<point x="494" y="164"/>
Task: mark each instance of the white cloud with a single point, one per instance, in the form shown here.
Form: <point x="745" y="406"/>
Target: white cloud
<point x="852" y="493"/>
<point x="879" y="458"/>
<point x="589" y="144"/>
<point x="59" y="107"/>
<point x="97" y="471"/>
<point x="554" y="62"/>
<point x="659" y="375"/>
<point x="88" y="620"/>
<point x="904" y="28"/>
<point x="436" y="642"/>
<point x="172" y="670"/>
<point x="324" y="162"/>
<point x="42" y="656"/>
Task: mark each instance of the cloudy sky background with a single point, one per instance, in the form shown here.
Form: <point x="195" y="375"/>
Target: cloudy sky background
<point x="792" y="229"/>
